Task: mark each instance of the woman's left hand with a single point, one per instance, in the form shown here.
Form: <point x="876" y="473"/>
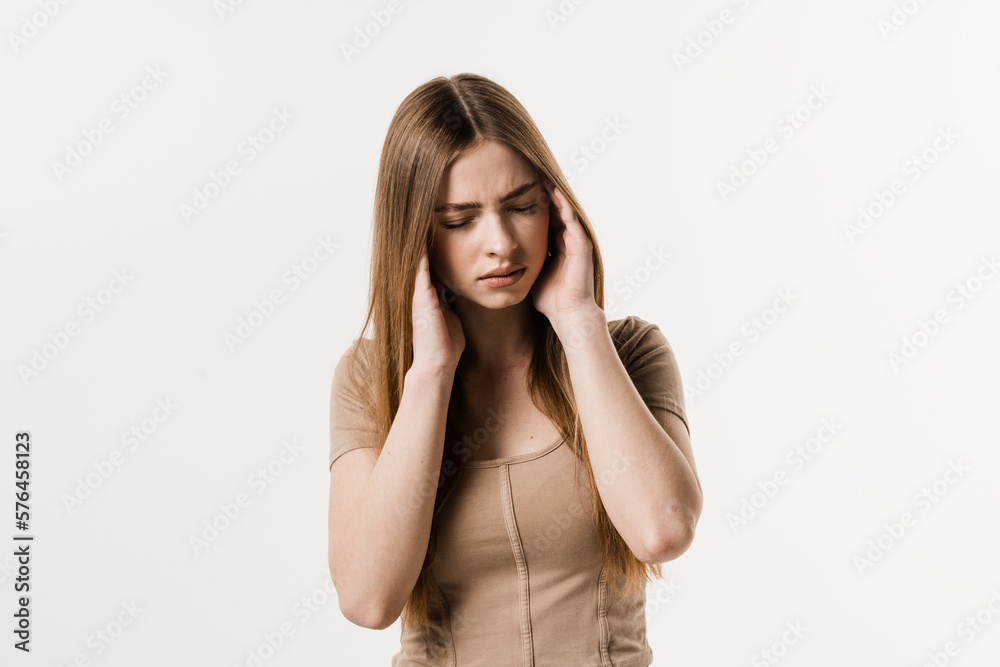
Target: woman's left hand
<point x="565" y="287"/>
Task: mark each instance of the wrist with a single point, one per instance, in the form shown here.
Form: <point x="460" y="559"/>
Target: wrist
<point x="430" y="374"/>
<point x="579" y="326"/>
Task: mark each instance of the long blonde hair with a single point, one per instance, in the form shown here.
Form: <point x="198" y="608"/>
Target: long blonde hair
<point x="432" y="126"/>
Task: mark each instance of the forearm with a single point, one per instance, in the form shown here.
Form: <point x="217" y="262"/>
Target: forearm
<point x="648" y="488"/>
<point x="383" y="542"/>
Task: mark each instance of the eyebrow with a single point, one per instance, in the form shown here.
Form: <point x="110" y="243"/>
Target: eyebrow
<point x="464" y="206"/>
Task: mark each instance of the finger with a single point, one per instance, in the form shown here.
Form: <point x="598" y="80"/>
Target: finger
<point x="571" y="224"/>
<point x="550" y="196"/>
<point x="567" y="213"/>
<point x="421" y="276"/>
<point x="560" y="242"/>
<point x="548" y="193"/>
<point x="555" y="218"/>
<point x="563" y="208"/>
<point x="438" y="285"/>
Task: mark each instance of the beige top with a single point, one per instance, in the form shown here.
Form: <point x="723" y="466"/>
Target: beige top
<point x="518" y="568"/>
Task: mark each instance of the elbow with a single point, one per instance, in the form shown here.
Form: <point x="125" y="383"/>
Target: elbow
<point x="672" y="538"/>
<point x="365" y="613"/>
<point x="380" y="619"/>
<point x="669" y="544"/>
<point x="367" y="616"/>
<point x="359" y="609"/>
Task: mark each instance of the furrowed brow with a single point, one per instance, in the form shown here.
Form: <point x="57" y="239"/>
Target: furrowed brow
<point x="465" y="206"/>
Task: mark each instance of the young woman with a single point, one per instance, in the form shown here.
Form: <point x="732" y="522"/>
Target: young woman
<point x="507" y="466"/>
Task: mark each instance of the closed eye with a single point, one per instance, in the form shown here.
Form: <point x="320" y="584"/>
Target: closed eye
<point x="463" y="223"/>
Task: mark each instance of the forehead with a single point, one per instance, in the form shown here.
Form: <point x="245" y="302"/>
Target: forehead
<point x="484" y="173"/>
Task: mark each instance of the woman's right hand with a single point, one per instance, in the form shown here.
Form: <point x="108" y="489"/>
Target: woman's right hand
<point x="438" y="339"/>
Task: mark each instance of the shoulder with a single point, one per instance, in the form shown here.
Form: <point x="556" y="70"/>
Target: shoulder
<point x="634" y="336"/>
<point x="650" y="361"/>
<point x="354" y="364"/>
<point x="356" y="356"/>
<point x="629" y="326"/>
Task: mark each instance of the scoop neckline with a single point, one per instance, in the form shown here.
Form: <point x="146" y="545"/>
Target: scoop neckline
<point x="493" y="463"/>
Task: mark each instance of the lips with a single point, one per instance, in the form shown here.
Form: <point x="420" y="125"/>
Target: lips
<point x="504" y="280"/>
<point x="502" y="271"/>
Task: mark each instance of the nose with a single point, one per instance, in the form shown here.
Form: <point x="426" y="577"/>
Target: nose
<point x="500" y="241"/>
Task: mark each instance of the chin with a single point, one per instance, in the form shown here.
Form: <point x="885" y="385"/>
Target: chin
<point x="501" y="300"/>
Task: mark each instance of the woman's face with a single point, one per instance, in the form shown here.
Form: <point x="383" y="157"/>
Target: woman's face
<point x="492" y="212"/>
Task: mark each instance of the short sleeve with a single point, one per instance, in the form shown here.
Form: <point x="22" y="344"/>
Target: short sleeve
<point x="650" y="362"/>
<point x="350" y="427"/>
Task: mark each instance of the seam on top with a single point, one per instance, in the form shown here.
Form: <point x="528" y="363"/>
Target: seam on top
<point x="527" y="650"/>
<point x="520" y="458"/>
<point x="602" y="619"/>
<point x="449" y="632"/>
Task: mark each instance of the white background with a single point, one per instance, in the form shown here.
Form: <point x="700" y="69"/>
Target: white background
<point x="685" y="128"/>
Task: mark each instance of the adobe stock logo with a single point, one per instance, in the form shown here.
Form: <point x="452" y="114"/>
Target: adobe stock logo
<point x="924" y="500"/>
<point x="37" y="21"/>
<point x="796" y="458"/>
<point x="231" y="510"/>
<point x="88" y="309"/>
<point x="900" y="16"/>
<point x="381" y="18"/>
<point x="968" y="629"/>
<point x="103" y="469"/>
<point x="752" y="329"/>
<point x="790" y="123"/>
<point x="634" y="281"/>
<point x="588" y="153"/>
<point x="224" y="7"/>
<point x="705" y="38"/>
<point x="121" y="108"/>
<point x="562" y="12"/>
<point x="265" y="308"/>
<point x="218" y="180"/>
<point x="107" y="634"/>
<point x="914" y="167"/>
<point x="778" y="649"/>
<point x="927" y="329"/>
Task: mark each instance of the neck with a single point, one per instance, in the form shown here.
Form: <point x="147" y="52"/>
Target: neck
<point x="496" y="340"/>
